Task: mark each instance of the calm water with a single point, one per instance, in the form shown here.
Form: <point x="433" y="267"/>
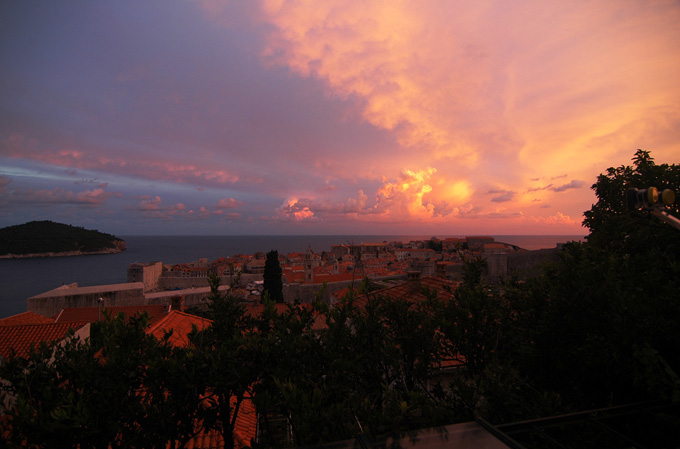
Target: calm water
<point x="22" y="278"/>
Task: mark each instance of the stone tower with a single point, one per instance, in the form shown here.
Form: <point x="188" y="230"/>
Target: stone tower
<point x="309" y="266"/>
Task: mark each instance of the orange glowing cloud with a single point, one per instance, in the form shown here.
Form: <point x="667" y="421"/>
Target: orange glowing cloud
<point x="381" y="51"/>
<point x="413" y="196"/>
<point x="493" y="94"/>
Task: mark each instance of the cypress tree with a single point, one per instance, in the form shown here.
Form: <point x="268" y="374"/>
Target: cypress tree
<point x="273" y="283"/>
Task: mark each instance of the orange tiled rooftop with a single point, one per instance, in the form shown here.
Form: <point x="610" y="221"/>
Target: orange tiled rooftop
<point x="19" y="338"/>
<point x="180" y="323"/>
<point x="25" y="318"/>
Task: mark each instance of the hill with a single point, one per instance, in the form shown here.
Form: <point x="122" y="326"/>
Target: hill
<point x="47" y="238"/>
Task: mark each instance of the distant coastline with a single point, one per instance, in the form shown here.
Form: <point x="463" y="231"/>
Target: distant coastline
<point x="63" y="254"/>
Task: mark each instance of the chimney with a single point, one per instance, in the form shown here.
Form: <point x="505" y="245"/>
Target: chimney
<point x="441" y="270"/>
<point x="413" y="278"/>
<point x="177" y="303"/>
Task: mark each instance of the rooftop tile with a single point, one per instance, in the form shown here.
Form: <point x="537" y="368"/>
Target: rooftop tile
<point x="20" y="338"/>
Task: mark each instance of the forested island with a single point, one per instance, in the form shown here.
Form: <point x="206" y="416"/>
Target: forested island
<point x="47" y="238"/>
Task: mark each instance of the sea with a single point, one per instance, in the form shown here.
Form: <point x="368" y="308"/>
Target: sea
<point x="21" y="279"/>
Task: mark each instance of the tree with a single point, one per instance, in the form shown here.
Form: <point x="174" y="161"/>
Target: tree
<point x="609" y="220"/>
<point x="228" y="353"/>
<point x="613" y="300"/>
<point x="273" y="283"/>
<point x="115" y="389"/>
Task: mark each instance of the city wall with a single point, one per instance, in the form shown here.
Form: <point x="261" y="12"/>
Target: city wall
<point x="194" y="297"/>
<point x="524" y="264"/>
<point x="170" y="283"/>
<point x="50" y="303"/>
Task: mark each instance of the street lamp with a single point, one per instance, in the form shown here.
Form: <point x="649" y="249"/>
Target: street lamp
<point x="649" y="199"/>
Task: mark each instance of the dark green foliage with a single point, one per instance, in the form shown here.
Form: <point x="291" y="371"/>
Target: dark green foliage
<point x="368" y="372"/>
<point x="614" y="307"/>
<point x="273" y="281"/>
<point x="38" y="237"/>
<point x="229" y="357"/>
<point x="87" y="393"/>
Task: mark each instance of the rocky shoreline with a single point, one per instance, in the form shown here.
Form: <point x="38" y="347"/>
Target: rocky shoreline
<point x="64" y="254"/>
<point x="119" y="248"/>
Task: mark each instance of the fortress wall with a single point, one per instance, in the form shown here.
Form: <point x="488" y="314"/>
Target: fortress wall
<point x="524" y="264"/>
<point x="530" y="263"/>
<point x="50" y="303"/>
<point x="496" y="265"/>
<point x="169" y="283"/>
<point x="197" y="297"/>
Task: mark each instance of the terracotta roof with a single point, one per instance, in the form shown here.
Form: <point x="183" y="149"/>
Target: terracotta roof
<point x="180" y="323"/>
<point x="340" y="277"/>
<point x="257" y="309"/>
<point x="413" y="290"/>
<point x="91" y="314"/>
<point x="20" y="338"/>
<point x="245" y="430"/>
<point x="25" y="318"/>
<point x="205" y="439"/>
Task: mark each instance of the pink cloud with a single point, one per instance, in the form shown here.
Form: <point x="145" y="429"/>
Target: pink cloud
<point x="96" y="196"/>
<point x="152" y="207"/>
<point x="150" y="204"/>
<point x="89" y="198"/>
<point x="230" y="203"/>
<point x="177" y="210"/>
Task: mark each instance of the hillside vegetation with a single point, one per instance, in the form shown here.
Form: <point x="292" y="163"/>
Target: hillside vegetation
<point x="48" y="237"/>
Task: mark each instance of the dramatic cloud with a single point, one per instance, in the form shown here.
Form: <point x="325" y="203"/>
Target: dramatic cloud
<point x="305" y="116"/>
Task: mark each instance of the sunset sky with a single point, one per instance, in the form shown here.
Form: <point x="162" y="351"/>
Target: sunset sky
<point x="329" y="117"/>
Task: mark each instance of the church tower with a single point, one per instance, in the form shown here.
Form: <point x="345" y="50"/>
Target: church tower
<point x="309" y="266"/>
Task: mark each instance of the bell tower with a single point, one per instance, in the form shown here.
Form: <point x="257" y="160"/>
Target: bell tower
<point x="309" y="266"/>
